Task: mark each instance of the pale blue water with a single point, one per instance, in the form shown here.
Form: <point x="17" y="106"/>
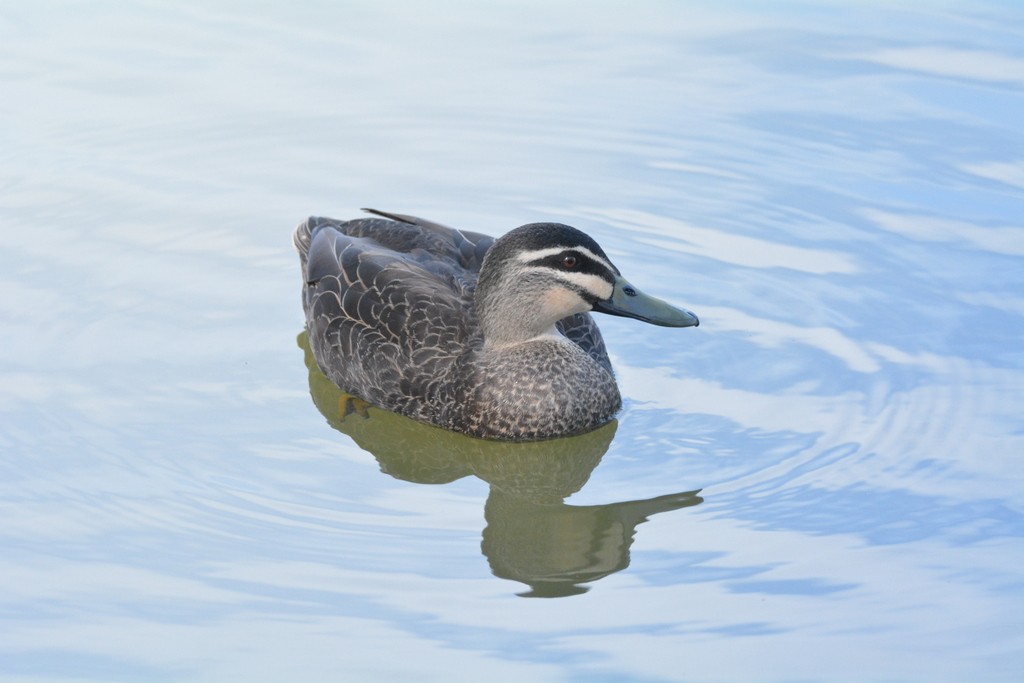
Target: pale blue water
<point x="837" y="190"/>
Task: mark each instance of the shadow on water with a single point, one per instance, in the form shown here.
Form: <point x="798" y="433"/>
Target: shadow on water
<point x="532" y="535"/>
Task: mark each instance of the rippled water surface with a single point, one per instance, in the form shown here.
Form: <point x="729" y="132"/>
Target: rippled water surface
<point x="822" y="482"/>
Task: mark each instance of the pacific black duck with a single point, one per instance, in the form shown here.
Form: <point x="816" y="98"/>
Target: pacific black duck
<point x="491" y="338"/>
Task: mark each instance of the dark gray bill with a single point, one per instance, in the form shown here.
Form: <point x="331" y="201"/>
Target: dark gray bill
<point x="628" y="301"/>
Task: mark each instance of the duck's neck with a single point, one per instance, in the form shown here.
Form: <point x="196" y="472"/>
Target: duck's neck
<point x="519" y="312"/>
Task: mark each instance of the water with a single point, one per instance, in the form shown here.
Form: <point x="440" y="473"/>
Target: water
<point x="836" y="190"/>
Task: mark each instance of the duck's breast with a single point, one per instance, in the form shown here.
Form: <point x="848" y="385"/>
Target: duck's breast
<point x="541" y="389"/>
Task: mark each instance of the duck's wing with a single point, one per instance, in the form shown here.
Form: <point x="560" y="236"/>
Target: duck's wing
<point x="581" y="329"/>
<point x="469" y="247"/>
<point x="388" y="308"/>
<point x="417" y="237"/>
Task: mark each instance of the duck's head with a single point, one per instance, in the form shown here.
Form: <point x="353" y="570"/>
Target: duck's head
<point x="540" y="273"/>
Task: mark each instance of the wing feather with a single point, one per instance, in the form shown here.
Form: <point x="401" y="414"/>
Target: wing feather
<point x="383" y="318"/>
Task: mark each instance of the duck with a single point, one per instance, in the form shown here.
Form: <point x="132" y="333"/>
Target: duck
<point x="492" y="338"/>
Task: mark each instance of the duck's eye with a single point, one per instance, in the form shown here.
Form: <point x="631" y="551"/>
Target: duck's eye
<point x="569" y="261"/>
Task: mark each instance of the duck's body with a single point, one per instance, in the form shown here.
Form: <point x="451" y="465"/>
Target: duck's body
<point x="396" y="317"/>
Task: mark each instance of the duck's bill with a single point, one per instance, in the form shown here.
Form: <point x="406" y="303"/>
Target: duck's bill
<point x="628" y="301"/>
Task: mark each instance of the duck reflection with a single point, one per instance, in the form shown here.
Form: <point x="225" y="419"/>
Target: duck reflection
<point x="532" y="535"/>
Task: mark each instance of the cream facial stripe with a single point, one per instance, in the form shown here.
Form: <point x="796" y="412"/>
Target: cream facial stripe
<point x="595" y="284"/>
<point x="538" y="254"/>
<point x="585" y="283"/>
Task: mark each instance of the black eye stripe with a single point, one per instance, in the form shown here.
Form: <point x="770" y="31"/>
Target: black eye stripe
<point x="584" y="264"/>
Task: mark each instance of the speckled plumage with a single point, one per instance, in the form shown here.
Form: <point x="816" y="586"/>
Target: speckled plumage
<point x="394" y="317"/>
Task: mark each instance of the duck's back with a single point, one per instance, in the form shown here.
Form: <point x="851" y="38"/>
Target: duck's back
<point x="390" y="312"/>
